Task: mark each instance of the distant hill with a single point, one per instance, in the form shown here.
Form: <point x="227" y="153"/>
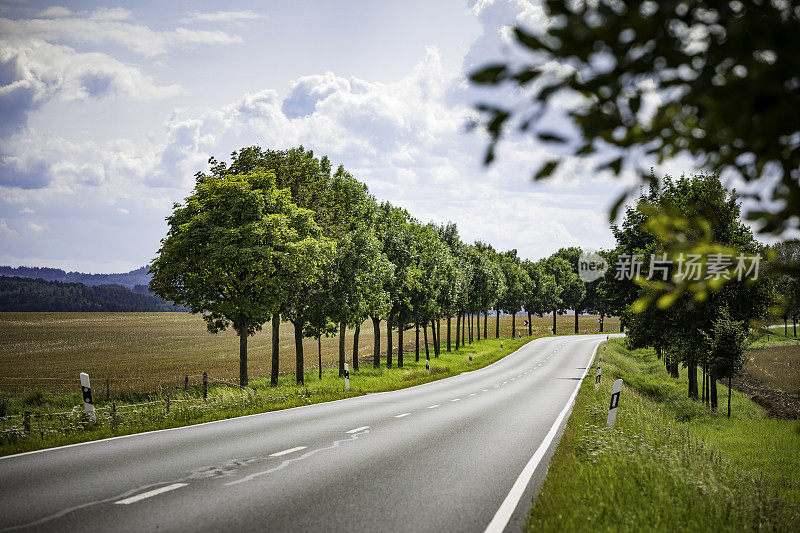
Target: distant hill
<point x="24" y="294"/>
<point x="128" y="279"/>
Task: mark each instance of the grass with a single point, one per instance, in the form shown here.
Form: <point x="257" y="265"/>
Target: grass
<point x="58" y="419"/>
<point x="144" y="352"/>
<point x="669" y="464"/>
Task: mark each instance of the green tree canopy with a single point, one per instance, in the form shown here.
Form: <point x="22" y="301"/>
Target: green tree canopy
<point x="231" y="249"/>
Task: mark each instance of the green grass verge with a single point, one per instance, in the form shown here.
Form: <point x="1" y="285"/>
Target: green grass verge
<point x="669" y="464"/>
<point x="58" y="420"/>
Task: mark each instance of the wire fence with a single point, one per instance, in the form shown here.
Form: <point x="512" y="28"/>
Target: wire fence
<point x="173" y="406"/>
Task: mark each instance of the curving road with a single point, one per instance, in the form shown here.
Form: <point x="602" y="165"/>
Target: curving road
<point x="465" y="453"/>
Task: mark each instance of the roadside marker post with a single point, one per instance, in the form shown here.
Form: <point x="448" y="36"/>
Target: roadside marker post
<point x="470" y="358"/>
<point x="427" y="367"/>
<point x="612" y="408"/>
<point x="501" y="346"/>
<point x="88" y="404"/>
<point x="597" y="379"/>
<point x="346" y="377"/>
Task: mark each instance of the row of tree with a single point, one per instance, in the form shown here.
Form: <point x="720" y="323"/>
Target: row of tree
<point x="281" y="236"/>
<point x="701" y="329"/>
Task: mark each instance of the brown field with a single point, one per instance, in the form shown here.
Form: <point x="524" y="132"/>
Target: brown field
<point x="144" y="351"/>
<point x="772" y="379"/>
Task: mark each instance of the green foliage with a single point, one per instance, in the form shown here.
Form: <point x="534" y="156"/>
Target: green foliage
<point x="232" y="247"/>
<point x="662" y="78"/>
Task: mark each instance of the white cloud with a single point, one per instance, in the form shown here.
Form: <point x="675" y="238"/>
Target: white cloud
<point x="27" y="211"/>
<point x="107" y="26"/>
<point x="5" y="231"/>
<point x="36" y="228"/>
<point x="220" y="16"/>
<point x="55" y="12"/>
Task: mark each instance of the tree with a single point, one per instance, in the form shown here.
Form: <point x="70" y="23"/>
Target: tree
<point x="728" y="345"/>
<point x="715" y="81"/>
<point x="574" y="293"/>
<point x="230" y="249"/>
<point x="569" y="285"/>
<point x="516" y="282"/>
<point x="541" y="292"/>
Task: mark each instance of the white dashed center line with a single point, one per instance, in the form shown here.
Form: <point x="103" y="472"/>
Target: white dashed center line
<point x="362" y="428"/>
<point x="484" y="390"/>
<point x="455" y="399"/>
<point x="150" y="494"/>
<point x="473" y="394"/>
<point x="433" y="406"/>
<point x="402" y="415"/>
<point x="290" y="450"/>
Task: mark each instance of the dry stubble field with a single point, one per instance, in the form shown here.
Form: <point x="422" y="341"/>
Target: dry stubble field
<point x="141" y="352"/>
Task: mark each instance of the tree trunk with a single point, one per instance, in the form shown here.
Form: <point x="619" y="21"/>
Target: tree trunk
<point x="243" y="355"/>
<point x="478" y="324"/>
<point x="497" y="325"/>
<point x="463" y="329"/>
<point x="342" y="329"/>
<point x="356" y="334"/>
<point x="389" y="346"/>
<point x="794" y="325"/>
<point x="276" y="326"/>
<point x="458" y="331"/>
<point x="576" y="320"/>
<point x="703" y="388"/>
<point x="399" y="342"/>
<point x="434" y="339"/>
<point x="438" y="349"/>
<point x="376" y="349"/>
<point x="785" y="327"/>
<point x="485" y="322"/>
<point x="416" y="343"/>
<point x="530" y="326"/>
<point x="471" y="328"/>
<point x="729" y="396"/>
<point x="675" y="369"/>
<point x="621" y="326"/>
<point x="448" y="333"/>
<point x="298" y="350"/>
<point x="319" y="354"/>
<point x="425" y="334"/>
<point x="713" y="382"/>
<point x="658" y="351"/>
<point x="514" y="325"/>
<point x="554" y="321"/>
<point x="692" y="369"/>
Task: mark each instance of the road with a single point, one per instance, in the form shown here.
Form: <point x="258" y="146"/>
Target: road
<point x="457" y="454"/>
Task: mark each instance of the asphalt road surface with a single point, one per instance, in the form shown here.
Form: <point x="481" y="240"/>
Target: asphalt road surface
<point x="465" y="453"/>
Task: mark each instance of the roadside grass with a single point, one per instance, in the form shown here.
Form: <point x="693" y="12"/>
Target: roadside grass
<point x="669" y="464"/>
<point x="57" y="420"/>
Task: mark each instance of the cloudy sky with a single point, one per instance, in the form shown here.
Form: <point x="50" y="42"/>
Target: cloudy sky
<point x="106" y="113"/>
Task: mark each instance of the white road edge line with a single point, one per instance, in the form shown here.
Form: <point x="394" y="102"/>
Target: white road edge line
<point x="285" y="452"/>
<point x="150" y="494"/>
<point x="503" y="514"/>
<point x="402" y="415"/>
<point x="362" y="428"/>
<point x="432" y="406"/>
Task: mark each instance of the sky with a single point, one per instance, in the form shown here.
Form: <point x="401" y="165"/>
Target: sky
<point x="108" y="110"/>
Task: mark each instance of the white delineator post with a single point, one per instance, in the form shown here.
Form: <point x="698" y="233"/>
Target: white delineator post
<point x="612" y="408"/>
<point x="88" y="405"/>
<point x="501" y="346"/>
<point x="427" y="367"/>
<point x="470" y="358"/>
<point x="346" y="377"/>
<point x="597" y="379"/>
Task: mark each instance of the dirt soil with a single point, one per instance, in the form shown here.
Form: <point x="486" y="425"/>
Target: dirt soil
<point x="772" y="380"/>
